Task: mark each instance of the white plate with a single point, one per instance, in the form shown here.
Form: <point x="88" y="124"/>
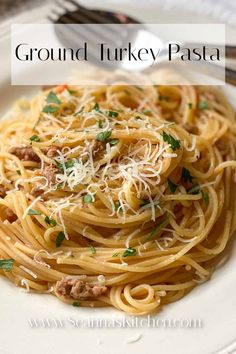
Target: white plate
<point x="213" y="303"/>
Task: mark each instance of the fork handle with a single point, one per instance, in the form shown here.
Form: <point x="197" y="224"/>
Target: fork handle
<point x="230" y="76"/>
<point x="230" y="51"/>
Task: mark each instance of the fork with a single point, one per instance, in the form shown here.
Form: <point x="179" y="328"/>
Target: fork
<point x="74" y="13"/>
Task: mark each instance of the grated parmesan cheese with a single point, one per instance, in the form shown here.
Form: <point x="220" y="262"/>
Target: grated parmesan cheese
<point x="35" y="201"/>
<point x="27" y="270"/>
<point x="134" y="339"/>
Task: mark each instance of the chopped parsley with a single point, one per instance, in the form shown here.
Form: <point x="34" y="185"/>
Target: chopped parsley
<point x="93" y="249"/>
<point x="50" y="222"/>
<point x="174" y="143"/>
<point x="100" y="124"/>
<point x="76" y="304"/>
<point x="195" y="189"/>
<point x="116" y="205"/>
<point x="164" y="222"/>
<point x="113" y="142"/>
<point x="6" y="264"/>
<point x="70" y="163"/>
<point x="203" y="104"/>
<point x="186" y="175"/>
<point x="129" y="252"/>
<point x="52" y="98"/>
<point x="35" y="138"/>
<point x="59" y="165"/>
<point x="138" y="118"/>
<point x="37" y="122"/>
<point x="172" y="186"/>
<point x="88" y="198"/>
<point x="79" y="111"/>
<point x="146" y="111"/>
<point x="190" y="105"/>
<point x="34" y="212"/>
<point x="50" y="109"/>
<point x="71" y="92"/>
<point x="205" y="197"/>
<point x="96" y="107"/>
<point x="103" y="136"/>
<point x="18" y="172"/>
<point x="60" y="238"/>
<point x="113" y="114"/>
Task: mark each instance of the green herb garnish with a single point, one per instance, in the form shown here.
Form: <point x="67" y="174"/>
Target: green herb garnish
<point x="103" y="136"/>
<point x="59" y="165"/>
<point x="37" y="122"/>
<point x="6" y="264"/>
<point x="172" y="186"/>
<point x="203" y="104"/>
<point x="190" y="105"/>
<point x="18" y="172"/>
<point x="96" y="107"/>
<point x="113" y="142"/>
<point x="50" y="222"/>
<point x="71" y="92"/>
<point x="52" y="98"/>
<point x="70" y="163"/>
<point x="205" y="197"/>
<point x="159" y="227"/>
<point x="93" y="249"/>
<point x="195" y="189"/>
<point x="100" y="124"/>
<point x="129" y="252"/>
<point x="60" y="238"/>
<point x="34" y="212"/>
<point x="50" y="109"/>
<point x="76" y="304"/>
<point x="116" y="205"/>
<point x="35" y="138"/>
<point x="113" y="114"/>
<point x="186" y="175"/>
<point x="174" y="143"/>
<point x="79" y="111"/>
<point x="146" y="111"/>
<point x="88" y="198"/>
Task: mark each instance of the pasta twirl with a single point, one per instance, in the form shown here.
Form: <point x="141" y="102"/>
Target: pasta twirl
<point x="119" y="195"/>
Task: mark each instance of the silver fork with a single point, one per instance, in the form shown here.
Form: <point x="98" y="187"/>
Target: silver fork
<point x="70" y="12"/>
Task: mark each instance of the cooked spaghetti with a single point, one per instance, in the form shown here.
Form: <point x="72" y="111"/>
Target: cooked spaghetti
<point x="119" y="195"/>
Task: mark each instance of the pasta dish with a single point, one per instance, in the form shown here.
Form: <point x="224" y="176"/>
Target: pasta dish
<point x="118" y="196"/>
